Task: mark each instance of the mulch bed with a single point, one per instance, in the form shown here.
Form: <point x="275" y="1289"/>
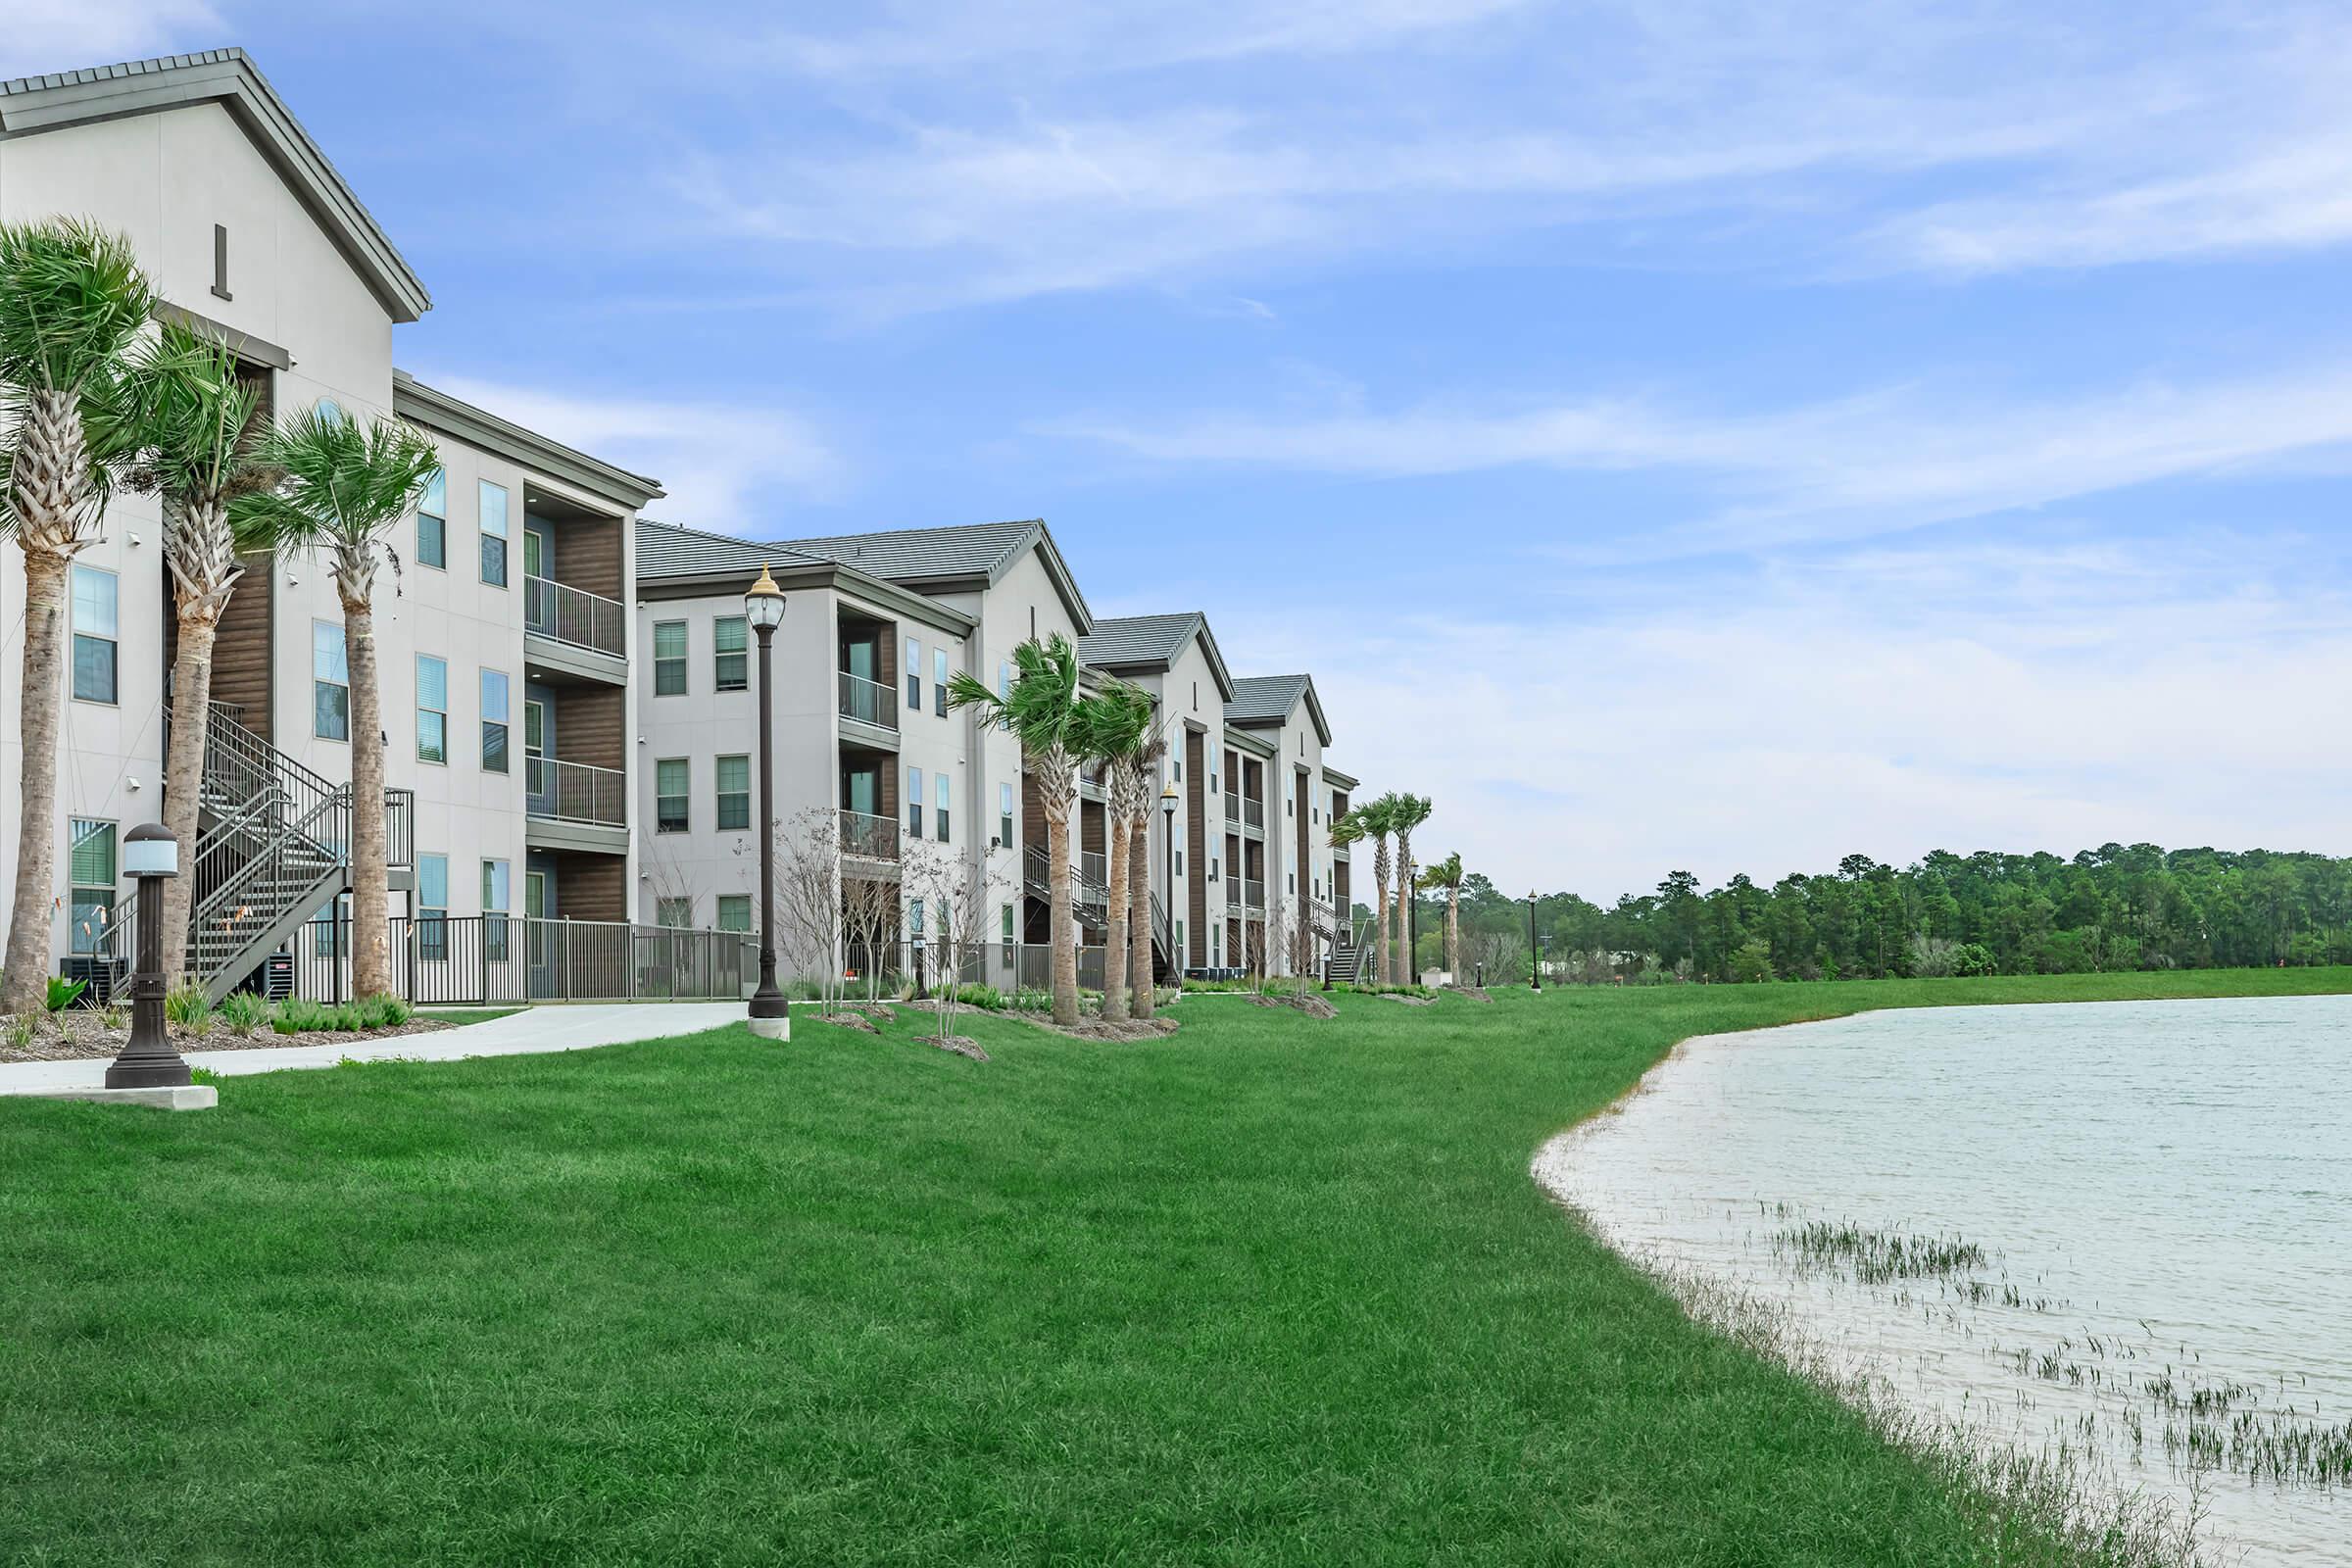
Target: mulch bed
<point x="1410" y="1001"/>
<point x="1474" y="992"/>
<point x="1306" y="1001"/>
<point x="80" y="1036"/>
<point x="961" y="1045"/>
<point x="1098" y="1029"/>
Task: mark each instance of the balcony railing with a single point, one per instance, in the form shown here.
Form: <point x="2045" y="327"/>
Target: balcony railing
<point x="867" y="837"/>
<point x="1232" y="808"/>
<point x="1094" y="868"/>
<point x="868" y="702"/>
<point x="574" y="616"/>
<point x="576" y="791"/>
<point x="1246" y="893"/>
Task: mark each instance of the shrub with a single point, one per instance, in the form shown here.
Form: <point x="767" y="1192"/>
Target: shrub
<point x="1033" y="998"/>
<point x="988" y="999"/>
<point x="382" y="1010"/>
<point x="1974" y="959"/>
<point x="304" y="1016"/>
<point x="190" y="1007"/>
<point x="20" y="1032"/>
<point x="1220" y="985"/>
<point x="114" y="1015"/>
<point x="64" y="993"/>
<point x="244" y="1012"/>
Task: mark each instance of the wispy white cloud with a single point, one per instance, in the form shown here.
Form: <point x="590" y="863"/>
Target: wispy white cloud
<point x="1869" y="463"/>
<point x="727" y="467"/>
<point x="44" y="35"/>
<point x="2001" y="695"/>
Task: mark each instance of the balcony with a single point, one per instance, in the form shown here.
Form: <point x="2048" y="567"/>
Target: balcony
<point x="1245" y="895"/>
<point x="576" y="791"/>
<point x="869" y="702"/>
<point x="1246" y="811"/>
<point x="574" y="631"/>
<point x="867" y="837"/>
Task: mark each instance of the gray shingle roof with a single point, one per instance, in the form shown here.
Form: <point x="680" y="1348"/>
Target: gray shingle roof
<point x="1127" y="641"/>
<point x="665" y="550"/>
<point x="1269" y="699"/>
<point x="228" y="77"/>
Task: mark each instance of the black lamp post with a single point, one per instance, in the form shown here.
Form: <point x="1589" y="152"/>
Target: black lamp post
<point x="764" y="608"/>
<point x="150" y="853"/>
<point x="1534" y="960"/>
<point x="1167" y="818"/>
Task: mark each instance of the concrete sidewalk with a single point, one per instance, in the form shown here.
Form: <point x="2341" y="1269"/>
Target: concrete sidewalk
<point x="519" y="1034"/>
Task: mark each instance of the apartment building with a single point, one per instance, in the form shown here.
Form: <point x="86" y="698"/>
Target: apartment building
<point x="567" y="689"/>
<point x="503" y="647"/>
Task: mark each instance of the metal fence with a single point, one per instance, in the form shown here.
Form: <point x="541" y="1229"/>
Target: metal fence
<point x="489" y="959"/>
<point x="1008" y="966"/>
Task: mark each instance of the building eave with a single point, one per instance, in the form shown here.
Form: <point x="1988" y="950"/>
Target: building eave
<point x="439" y="411"/>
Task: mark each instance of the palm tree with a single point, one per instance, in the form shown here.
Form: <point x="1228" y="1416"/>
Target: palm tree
<point x="194" y="419"/>
<point x="1407" y="812"/>
<point x="341" y="491"/>
<point x="1448" y="875"/>
<point x="1114" y="727"/>
<point x="1346" y="828"/>
<point x="1376" y="818"/>
<point x="1041" y="710"/>
<point x="73" y="300"/>
<point x="1139" y="872"/>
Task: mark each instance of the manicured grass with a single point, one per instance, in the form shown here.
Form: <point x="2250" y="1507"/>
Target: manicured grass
<point x="464" y="1015"/>
<point x="1273" y="1291"/>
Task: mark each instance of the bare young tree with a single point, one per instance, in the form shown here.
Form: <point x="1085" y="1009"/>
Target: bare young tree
<point x="870" y="923"/>
<point x="811" y="919"/>
<point x="1300" y="951"/>
<point x="956" y="891"/>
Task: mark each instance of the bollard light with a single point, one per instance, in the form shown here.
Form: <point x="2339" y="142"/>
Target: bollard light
<point x="150" y="855"/>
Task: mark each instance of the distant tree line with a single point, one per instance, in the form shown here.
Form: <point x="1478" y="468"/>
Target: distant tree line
<point x="2116" y="908"/>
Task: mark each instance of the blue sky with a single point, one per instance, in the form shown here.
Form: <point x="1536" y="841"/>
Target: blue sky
<point x="1683" y="436"/>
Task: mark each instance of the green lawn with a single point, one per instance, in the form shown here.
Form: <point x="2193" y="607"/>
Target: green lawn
<point x="1272" y="1291"/>
<point x="463" y="1015"/>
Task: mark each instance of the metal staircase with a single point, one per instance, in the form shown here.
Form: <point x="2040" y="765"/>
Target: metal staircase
<point x="274" y="847"/>
<point x="1347" y="961"/>
<point x="1089" y="898"/>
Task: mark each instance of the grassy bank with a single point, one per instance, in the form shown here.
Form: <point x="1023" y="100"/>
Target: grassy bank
<point x="1274" y="1291"/>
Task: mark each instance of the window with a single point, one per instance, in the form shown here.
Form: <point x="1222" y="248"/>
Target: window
<point x="332" y="412"/>
<point x="433" y="905"/>
<point x="534" y="727"/>
<point x="331" y="683"/>
<point x="1005" y="930"/>
<point x="91" y="857"/>
<point x="494" y="911"/>
<point x="1005" y="680"/>
<point x="730" y="635"/>
<point x="914" y="919"/>
<point x="495" y="715"/>
<point x="330" y="928"/>
<point x="432" y="523"/>
<point x="1212" y="768"/>
<point x="670" y="659"/>
<point x="672" y="780"/>
<point x="735" y="911"/>
<point x="939" y="806"/>
<point x="914" y="803"/>
<point x="1180" y="947"/>
<point x="939" y="681"/>
<point x="493" y="534"/>
<point x="1005" y="816"/>
<point x="432" y="709"/>
<point x="95" y="592"/>
<point x="734" y="775"/>
<point x="536" y="547"/>
<point x="1212" y="867"/>
<point x="915" y="675"/>
<point x="676" y="914"/>
<point x="1180" y="863"/>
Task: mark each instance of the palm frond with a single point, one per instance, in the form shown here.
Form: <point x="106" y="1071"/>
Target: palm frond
<point x="72" y="299"/>
<point x="1042" y="707"/>
<point x="340" y="485"/>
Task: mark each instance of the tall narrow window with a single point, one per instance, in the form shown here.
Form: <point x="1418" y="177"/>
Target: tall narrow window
<point x="331" y="683"/>
<point x="675" y="913"/>
<point x="433" y="905"/>
<point x="1004" y="929"/>
<point x="734" y="775"/>
<point x="915" y="675"/>
<point x="914" y="803"/>
<point x="672" y="782"/>
<point x="432" y="709"/>
<point x="494" y="910"/>
<point x="1005" y="816"/>
<point x="536" y="548"/>
<point x="670" y="659"/>
<point x="432" y="523"/>
<point x="95" y="592"/>
<point x="495" y="717"/>
<point x="939" y="681"/>
<point x="494" y="533"/>
<point x="939" y="806"/>
<point x="730" y="636"/>
<point x="91" y="858"/>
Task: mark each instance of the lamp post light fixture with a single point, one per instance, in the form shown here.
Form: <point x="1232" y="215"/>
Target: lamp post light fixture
<point x="150" y="853"/>
<point x="764" y="608"/>
<point x="1534" y="959"/>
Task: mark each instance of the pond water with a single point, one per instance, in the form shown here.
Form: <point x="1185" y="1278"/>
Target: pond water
<point x="2161" y="1194"/>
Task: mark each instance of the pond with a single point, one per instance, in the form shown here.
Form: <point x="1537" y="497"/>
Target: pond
<point x="2123" y="1228"/>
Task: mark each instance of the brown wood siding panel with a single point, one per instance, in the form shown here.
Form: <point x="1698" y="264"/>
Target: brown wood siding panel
<point x="1033" y="812"/>
<point x="591" y="887"/>
<point x="1340" y="899"/>
<point x="241" y="662"/>
<point x="1301" y="824"/>
<point x="588" y="555"/>
<point x="588" y="725"/>
<point x="1196" y="851"/>
<point x="1090" y="827"/>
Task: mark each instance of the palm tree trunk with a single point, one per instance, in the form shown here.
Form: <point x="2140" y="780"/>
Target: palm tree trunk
<point x="371" y="943"/>
<point x="1380" y="918"/>
<point x="1453" y="932"/>
<point x="1116" y="914"/>
<point x="1139" y="913"/>
<point x="30" y="912"/>
<point x="1065" y="927"/>
<point x="183" y="776"/>
<point x="1399" y="959"/>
